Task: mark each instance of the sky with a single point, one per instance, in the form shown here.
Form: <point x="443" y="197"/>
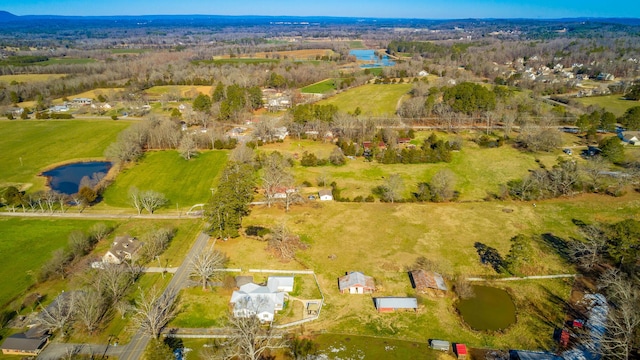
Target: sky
<point x="423" y="9"/>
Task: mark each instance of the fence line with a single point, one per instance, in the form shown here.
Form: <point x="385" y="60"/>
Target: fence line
<point x="303" y="272"/>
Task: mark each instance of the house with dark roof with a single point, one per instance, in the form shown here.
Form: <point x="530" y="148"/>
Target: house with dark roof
<point x="356" y="282"/>
<point x="29" y="343"/>
<point x="391" y="304"/>
<point x="123" y="248"/>
<point x="422" y="281"/>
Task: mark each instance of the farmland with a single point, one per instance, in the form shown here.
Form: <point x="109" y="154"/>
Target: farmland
<point x="35" y="145"/>
<point x="373" y="100"/>
<point x="29" y="78"/>
<point x="184" y="183"/>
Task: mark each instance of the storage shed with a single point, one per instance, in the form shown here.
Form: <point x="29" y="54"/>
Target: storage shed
<point x="391" y="304"/>
<point x="441" y="345"/>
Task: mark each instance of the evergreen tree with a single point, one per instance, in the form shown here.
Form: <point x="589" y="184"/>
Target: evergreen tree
<point x="230" y="203"/>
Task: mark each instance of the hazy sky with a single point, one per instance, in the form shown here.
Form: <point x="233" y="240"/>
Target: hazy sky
<point x="427" y="9"/>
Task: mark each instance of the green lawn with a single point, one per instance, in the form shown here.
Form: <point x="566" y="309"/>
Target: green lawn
<point x="320" y="87"/>
<point x="66" y="61"/>
<point x="25" y="245"/>
<point x="613" y="103"/>
<point x="375" y="100"/>
<point x="30" y="146"/>
<point x="478" y="171"/>
<point x="184" y="183"/>
<point x="356" y="44"/>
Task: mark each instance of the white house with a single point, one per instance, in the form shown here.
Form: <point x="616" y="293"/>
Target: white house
<point x="325" y="195"/>
<point x="255" y="300"/>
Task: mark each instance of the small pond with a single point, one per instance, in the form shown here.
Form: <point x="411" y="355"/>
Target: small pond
<point x="66" y="178"/>
<point x="371" y="58"/>
<point x="490" y="309"/>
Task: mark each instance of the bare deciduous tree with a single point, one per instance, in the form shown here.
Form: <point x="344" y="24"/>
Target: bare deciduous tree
<point x="623" y="318"/>
<point x="588" y="253"/>
<point x="250" y="338"/>
<point x="442" y="185"/>
<point x="284" y="242"/>
<point x="152" y="200"/>
<point x="135" y="199"/>
<point x="276" y="176"/>
<point x="113" y="281"/>
<point x="155" y="243"/>
<point x="154" y="310"/>
<point x="59" y="314"/>
<point x="90" y="309"/>
<point x="187" y="147"/>
<point x="242" y="154"/>
<point x="207" y="265"/>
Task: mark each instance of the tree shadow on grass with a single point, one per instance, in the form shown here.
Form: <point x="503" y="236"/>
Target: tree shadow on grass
<point x="560" y="245"/>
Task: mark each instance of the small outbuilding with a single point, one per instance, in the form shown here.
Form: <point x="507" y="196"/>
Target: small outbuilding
<point x="356" y="282"/>
<point x="460" y="350"/>
<point x="422" y="280"/>
<point x="391" y="304"/>
<point x="325" y="195"/>
<point x="441" y="345"/>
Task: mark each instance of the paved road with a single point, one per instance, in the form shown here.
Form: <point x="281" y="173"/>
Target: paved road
<point x="135" y="349"/>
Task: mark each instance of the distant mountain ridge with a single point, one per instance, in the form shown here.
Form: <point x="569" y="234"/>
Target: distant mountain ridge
<point x="5" y="15"/>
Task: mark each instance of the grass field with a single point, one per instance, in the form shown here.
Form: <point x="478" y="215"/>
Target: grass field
<point x="478" y="171"/>
<point x="237" y="61"/>
<point x="375" y="100"/>
<point x="612" y="103"/>
<point x="184" y="90"/>
<point x="184" y="183"/>
<point x="383" y="240"/>
<point x="320" y="87"/>
<point x="29" y="78"/>
<point x="34" y="145"/>
<point x="127" y="51"/>
<point x="26" y="245"/>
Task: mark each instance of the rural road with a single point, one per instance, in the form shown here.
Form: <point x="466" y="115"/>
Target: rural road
<point x="75" y="215"/>
<point x="135" y="348"/>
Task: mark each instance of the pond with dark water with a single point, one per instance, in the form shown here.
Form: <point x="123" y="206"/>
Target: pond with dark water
<point x="490" y="309"/>
<point x="371" y="58"/>
<point x="66" y="178"/>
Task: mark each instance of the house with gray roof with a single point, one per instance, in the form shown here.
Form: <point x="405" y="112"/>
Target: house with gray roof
<point x="356" y="282"/>
<point x="261" y="301"/>
<point x="123" y="248"/>
<point x="29" y="343"/>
